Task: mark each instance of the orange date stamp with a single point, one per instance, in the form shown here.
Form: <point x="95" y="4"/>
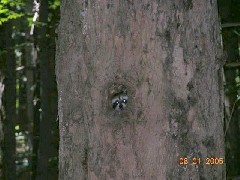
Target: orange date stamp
<point x="198" y="161"/>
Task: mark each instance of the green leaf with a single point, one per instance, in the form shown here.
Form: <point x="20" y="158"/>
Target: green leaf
<point x="14" y="15"/>
<point x="5" y="1"/>
<point x="17" y="127"/>
<point x="54" y="5"/>
<point x="2" y="20"/>
<point x="237" y="79"/>
<point x="2" y="11"/>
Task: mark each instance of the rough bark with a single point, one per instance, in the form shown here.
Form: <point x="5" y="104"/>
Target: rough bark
<point x="167" y="54"/>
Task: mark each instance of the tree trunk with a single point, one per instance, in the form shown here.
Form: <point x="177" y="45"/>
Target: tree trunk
<point x="1" y="120"/>
<point x="232" y="118"/>
<point x="166" y="57"/>
<point x="22" y="118"/>
<point x="30" y="55"/>
<point x="228" y="14"/>
<point x="9" y="143"/>
<point x="48" y="96"/>
<point x="1" y="101"/>
<point x="36" y="121"/>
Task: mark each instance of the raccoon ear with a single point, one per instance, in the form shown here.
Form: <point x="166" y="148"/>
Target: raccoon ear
<point x="124" y="91"/>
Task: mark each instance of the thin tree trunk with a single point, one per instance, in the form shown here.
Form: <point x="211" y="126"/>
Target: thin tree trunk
<point x="44" y="128"/>
<point x="9" y="144"/>
<point x="1" y="100"/>
<point x="1" y="120"/>
<point x="230" y="42"/>
<point x="30" y="53"/>
<point x="232" y="119"/>
<point x="36" y="121"/>
<point x="36" y="114"/>
<point x="48" y="124"/>
<point x="167" y="56"/>
<point x="22" y="119"/>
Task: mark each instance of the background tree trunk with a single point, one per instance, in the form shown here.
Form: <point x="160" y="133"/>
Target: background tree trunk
<point x="48" y="150"/>
<point x="1" y="101"/>
<point x="228" y="12"/>
<point x="167" y="54"/>
<point x="9" y="143"/>
<point x="1" y="120"/>
<point x="36" y="121"/>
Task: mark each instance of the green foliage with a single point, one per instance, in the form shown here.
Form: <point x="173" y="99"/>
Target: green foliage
<point x="54" y="5"/>
<point x="10" y="9"/>
<point x="14" y="9"/>
<point x="237" y="79"/>
<point x="17" y="128"/>
<point x="23" y="151"/>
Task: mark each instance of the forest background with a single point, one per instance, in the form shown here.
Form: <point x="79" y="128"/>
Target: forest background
<point x="28" y="91"/>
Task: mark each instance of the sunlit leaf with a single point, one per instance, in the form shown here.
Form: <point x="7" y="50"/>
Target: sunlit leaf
<point x="17" y="127"/>
<point x="237" y="79"/>
<point x="14" y="15"/>
<point x="54" y="5"/>
<point x="2" y="11"/>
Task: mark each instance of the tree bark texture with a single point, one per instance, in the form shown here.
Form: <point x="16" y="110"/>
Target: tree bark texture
<point x="167" y="55"/>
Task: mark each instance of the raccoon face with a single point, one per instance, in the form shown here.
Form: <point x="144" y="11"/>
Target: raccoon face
<point x="119" y="101"/>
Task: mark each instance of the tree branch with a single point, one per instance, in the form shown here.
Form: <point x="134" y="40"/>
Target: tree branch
<point x="226" y="25"/>
<point x="232" y="65"/>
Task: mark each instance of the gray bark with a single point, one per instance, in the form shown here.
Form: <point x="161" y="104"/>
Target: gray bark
<point x="167" y="55"/>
